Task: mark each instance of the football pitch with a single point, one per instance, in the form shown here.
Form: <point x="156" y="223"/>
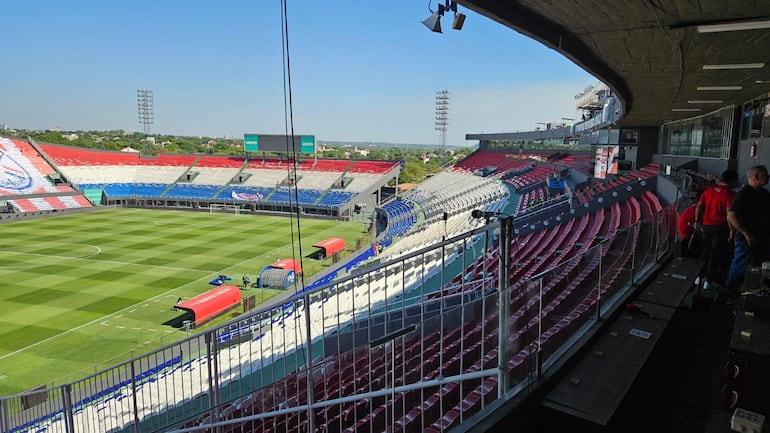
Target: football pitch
<point x="81" y="292"/>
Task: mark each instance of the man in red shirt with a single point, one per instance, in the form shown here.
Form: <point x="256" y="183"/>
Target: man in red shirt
<point x="711" y="219"/>
<point x="684" y="227"/>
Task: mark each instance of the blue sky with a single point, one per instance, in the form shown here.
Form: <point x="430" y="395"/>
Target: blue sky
<point x="360" y="70"/>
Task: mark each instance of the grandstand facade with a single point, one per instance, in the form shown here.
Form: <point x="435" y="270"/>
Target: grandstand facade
<point x="329" y="188"/>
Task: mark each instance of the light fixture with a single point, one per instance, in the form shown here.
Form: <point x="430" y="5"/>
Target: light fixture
<point x="720" y="87"/>
<point x="458" y="22"/>
<point x="734" y="26"/>
<point x="705" y="101"/>
<point x="433" y="22"/>
<point x="735" y="66"/>
<point x="685" y="109"/>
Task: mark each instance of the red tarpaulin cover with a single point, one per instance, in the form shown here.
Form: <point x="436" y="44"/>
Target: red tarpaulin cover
<point x="210" y="303"/>
<point x="288" y="264"/>
<point x="331" y="246"/>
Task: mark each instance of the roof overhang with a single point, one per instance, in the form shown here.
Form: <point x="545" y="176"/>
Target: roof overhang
<point x="651" y="54"/>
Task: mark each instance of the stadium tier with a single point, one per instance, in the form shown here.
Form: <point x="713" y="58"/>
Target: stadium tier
<point x="66" y="155"/>
<point x="322" y="183"/>
<point x="401" y="216"/>
<point x="531" y="199"/>
<point x="536" y="175"/>
<point x="286" y="195"/>
<point x="193" y="192"/>
<point x="502" y="162"/>
<point x="63" y="202"/>
<point x="329" y="165"/>
<point x="334" y="198"/>
<point x="222" y="162"/>
<point x="375" y="167"/>
<point x="120" y="190"/>
<point x="647" y="172"/>
<point x="455" y="190"/>
<point x="24" y="172"/>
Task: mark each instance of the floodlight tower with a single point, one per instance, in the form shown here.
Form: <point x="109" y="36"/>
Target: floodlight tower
<point x="442" y="115"/>
<point x="144" y="104"/>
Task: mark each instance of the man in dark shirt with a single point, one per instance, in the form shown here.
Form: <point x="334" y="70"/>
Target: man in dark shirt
<point x="749" y="219"/>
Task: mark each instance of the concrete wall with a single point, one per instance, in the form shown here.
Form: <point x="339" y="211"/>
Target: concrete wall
<point x="744" y="155"/>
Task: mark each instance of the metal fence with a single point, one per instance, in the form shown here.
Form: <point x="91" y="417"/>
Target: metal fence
<point x="418" y="341"/>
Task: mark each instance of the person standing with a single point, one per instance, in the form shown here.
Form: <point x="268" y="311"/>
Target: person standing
<point x="711" y="220"/>
<point x="749" y="219"/>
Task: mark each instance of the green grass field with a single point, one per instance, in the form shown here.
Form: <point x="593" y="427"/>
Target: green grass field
<point x="81" y="292"/>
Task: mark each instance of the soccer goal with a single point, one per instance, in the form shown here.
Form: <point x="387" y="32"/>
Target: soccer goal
<point x="224" y="208"/>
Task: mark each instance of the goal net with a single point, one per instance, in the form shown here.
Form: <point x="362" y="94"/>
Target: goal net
<point x="225" y="208"/>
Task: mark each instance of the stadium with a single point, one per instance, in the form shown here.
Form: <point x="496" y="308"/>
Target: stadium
<point x="522" y="287"/>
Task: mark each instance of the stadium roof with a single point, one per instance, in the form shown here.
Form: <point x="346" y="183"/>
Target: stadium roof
<point x="651" y="53"/>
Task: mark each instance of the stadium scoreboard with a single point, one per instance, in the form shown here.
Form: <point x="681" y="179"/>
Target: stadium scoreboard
<point x="278" y="143"/>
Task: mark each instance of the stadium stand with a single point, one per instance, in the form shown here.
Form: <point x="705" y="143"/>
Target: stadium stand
<point x="24" y="170"/>
<point x="125" y="176"/>
<point x="568" y="248"/>
<point x="213" y="176"/>
<point x="360" y="182"/>
<point x="330" y="165"/>
<point x="568" y="251"/>
<point x="265" y="177"/>
<point x="191" y="191"/>
<point x="375" y="167"/>
<point x="220" y="162"/>
<point x="420" y="413"/>
<point x="36" y="204"/>
<point x="532" y="177"/>
<point x="29" y="182"/>
<point x="501" y="162"/>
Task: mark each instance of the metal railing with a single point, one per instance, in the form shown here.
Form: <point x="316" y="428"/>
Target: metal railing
<point x="374" y="349"/>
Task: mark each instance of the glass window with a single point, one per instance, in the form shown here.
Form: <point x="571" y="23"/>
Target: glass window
<point x="766" y="122"/>
<point x="754" y="118"/>
<point x="757" y="116"/>
<point x="706" y="135"/>
<point x="629" y="136"/>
